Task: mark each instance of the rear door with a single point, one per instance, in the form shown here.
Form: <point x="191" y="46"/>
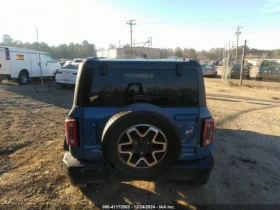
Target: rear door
<point x="178" y="95"/>
<point x="4" y="61"/>
<point x="204" y="69"/>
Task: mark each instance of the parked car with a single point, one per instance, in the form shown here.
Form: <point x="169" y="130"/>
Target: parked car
<point x="209" y="70"/>
<point x="62" y="62"/>
<point x="236" y="70"/>
<point x="22" y="64"/>
<point x="66" y="75"/>
<point x="216" y="63"/>
<point x="139" y="120"/>
<point x="67" y="63"/>
<point x="269" y="70"/>
<point x="78" y="60"/>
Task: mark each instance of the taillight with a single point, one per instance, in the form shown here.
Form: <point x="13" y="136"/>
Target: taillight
<point x="7" y="54"/>
<point x="58" y="72"/>
<point x="71" y="132"/>
<point x="208" y="132"/>
<point x="75" y="73"/>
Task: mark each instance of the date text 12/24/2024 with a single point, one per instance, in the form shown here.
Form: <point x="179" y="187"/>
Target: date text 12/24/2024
<point x="138" y="206"/>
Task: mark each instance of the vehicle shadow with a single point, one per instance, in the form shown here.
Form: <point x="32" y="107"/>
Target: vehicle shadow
<point x="50" y="93"/>
<point x="236" y="98"/>
<point x="246" y="171"/>
<point x="134" y="193"/>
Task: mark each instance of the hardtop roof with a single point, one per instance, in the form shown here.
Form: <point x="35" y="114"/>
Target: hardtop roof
<point x="141" y="61"/>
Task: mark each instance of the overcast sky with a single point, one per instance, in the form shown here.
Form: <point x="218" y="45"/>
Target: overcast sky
<point x="199" y="24"/>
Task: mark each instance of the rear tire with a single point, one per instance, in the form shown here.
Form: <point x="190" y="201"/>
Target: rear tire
<point x="23" y="77"/>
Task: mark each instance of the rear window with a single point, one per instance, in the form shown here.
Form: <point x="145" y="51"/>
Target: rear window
<point x="158" y="87"/>
<point x="78" y="61"/>
<point x="270" y="65"/>
<point x="70" y="66"/>
<point x="207" y="65"/>
<point x="237" y="66"/>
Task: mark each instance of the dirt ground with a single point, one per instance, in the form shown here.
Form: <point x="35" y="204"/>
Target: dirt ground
<point x="246" y="171"/>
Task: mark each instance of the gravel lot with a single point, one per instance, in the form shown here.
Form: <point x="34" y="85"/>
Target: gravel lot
<point x="247" y="169"/>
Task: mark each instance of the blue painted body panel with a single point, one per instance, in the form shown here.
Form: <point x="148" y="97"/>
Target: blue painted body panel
<point x="92" y="120"/>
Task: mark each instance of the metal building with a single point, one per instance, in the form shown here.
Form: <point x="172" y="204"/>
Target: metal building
<point x="137" y="52"/>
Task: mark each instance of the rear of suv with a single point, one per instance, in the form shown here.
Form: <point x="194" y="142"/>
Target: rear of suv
<point x="236" y="71"/>
<point x="139" y="120"/>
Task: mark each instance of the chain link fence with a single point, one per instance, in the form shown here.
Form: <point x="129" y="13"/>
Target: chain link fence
<point x="226" y="68"/>
<point x="229" y="63"/>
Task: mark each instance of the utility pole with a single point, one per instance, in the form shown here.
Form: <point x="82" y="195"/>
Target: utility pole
<point x="40" y="58"/>
<point x="242" y="63"/>
<point x="224" y="58"/>
<point x="131" y="23"/>
<point x="228" y="63"/>
<point x="150" y="47"/>
<point x="237" y="33"/>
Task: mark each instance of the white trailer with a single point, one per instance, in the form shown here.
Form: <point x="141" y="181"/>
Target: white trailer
<point x="172" y="57"/>
<point x="22" y="64"/>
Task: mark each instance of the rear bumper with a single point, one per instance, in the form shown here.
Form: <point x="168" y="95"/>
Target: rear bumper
<point x="65" y="82"/>
<point x="61" y="79"/>
<point x="236" y="75"/>
<point x="84" y="172"/>
<point x="210" y="73"/>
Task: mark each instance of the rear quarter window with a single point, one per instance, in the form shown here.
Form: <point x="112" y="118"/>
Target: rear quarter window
<point x="162" y="88"/>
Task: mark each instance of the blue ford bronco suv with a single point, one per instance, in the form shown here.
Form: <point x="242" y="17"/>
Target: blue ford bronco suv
<point x="139" y="120"/>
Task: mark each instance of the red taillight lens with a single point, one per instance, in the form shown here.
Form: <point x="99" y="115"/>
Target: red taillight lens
<point x="208" y="132"/>
<point x="7" y="55"/>
<point x="71" y="132"/>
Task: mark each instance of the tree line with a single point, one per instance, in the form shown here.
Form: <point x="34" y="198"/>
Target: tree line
<point x="86" y="49"/>
<point x="218" y="53"/>
<point x="62" y="51"/>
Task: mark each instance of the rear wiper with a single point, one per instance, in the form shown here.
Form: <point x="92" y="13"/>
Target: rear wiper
<point x="147" y="97"/>
<point x="142" y="98"/>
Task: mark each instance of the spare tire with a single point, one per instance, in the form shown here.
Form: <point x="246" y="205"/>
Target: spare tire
<point x="142" y="141"/>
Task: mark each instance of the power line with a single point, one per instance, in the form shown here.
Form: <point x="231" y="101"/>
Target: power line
<point x="131" y="23"/>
